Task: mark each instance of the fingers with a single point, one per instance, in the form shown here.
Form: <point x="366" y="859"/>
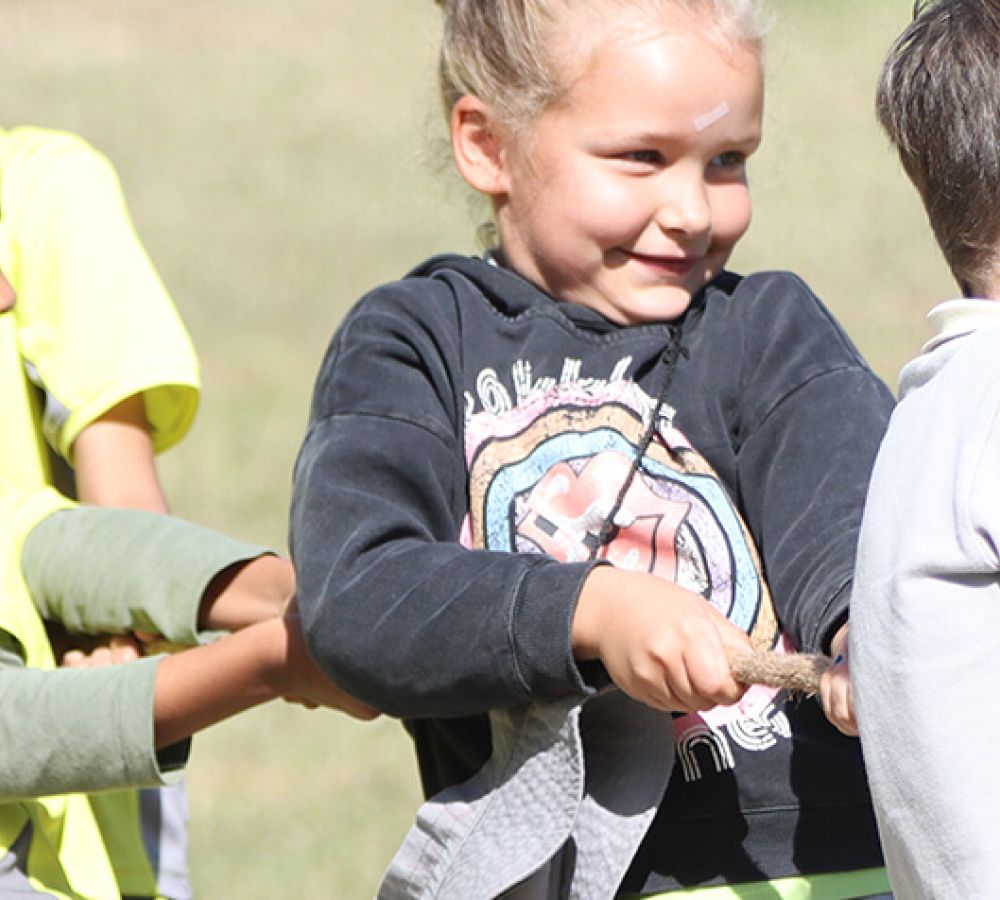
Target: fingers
<point x="118" y="648"/>
<point x="323" y="692"/>
<point x="837" y="697"/>
<point x="307" y="684"/>
<point x="358" y="710"/>
<point x="74" y="659"/>
<point x="336" y="699"/>
<point x="124" y="648"/>
<point x="301" y="701"/>
<point x="332" y="697"/>
<point x="835" y="691"/>
<point x="346" y="704"/>
<point x="661" y="644"/>
<point x="689" y="671"/>
<point x="707" y="662"/>
<point x="710" y="678"/>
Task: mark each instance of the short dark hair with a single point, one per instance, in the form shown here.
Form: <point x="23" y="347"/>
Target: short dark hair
<point x="939" y="100"/>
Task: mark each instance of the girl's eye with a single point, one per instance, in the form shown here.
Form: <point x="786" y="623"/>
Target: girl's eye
<point x="731" y="160"/>
<point x="644" y="157"/>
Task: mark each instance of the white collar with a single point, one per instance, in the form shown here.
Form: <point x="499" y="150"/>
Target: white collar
<point x="955" y="318"/>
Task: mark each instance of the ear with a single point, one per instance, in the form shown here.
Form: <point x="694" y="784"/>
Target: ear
<point x="477" y="146"/>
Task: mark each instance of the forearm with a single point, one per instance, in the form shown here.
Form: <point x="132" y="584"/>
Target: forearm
<point x="114" y="460"/>
<point x="206" y="685"/>
<point x="92" y="729"/>
<point x="246" y="592"/>
<point x="394" y="607"/>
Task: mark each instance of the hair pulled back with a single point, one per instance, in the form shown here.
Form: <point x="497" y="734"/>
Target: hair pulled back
<point x="501" y="50"/>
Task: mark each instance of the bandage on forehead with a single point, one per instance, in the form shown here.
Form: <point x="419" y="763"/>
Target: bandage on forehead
<point x="711" y="117"/>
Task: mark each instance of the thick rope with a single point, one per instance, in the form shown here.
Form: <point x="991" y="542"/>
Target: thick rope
<point x="799" y="673"/>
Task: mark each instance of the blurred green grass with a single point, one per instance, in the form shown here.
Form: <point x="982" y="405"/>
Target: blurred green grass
<point x="281" y="158"/>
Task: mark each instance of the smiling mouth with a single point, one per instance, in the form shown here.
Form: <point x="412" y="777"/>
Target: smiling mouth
<point x="676" y="266"/>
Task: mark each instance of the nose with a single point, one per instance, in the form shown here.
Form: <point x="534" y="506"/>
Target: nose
<point x="683" y="204"/>
<point x="7" y="295"/>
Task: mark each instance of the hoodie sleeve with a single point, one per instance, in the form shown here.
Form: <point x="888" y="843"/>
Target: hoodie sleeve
<point x="812" y="416"/>
<point x="395" y="609"/>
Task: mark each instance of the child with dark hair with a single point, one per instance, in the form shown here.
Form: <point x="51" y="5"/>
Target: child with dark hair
<point x="926" y="604"/>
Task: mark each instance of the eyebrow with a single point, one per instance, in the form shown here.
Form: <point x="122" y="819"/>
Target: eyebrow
<point x="644" y="137"/>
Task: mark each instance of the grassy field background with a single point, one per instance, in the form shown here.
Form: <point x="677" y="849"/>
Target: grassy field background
<point x="281" y="158"/>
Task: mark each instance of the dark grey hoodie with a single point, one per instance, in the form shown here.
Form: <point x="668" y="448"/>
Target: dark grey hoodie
<point x="469" y="438"/>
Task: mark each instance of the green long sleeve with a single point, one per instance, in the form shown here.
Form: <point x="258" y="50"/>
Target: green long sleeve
<point x="99" y="571"/>
<point x="108" y="571"/>
<point x="79" y="730"/>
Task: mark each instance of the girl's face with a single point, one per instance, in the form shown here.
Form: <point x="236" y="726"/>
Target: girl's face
<point x="629" y="193"/>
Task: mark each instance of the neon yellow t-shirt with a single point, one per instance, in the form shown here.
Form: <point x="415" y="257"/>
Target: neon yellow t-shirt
<point x="92" y="326"/>
<point x="93" y="323"/>
<point x="67" y="857"/>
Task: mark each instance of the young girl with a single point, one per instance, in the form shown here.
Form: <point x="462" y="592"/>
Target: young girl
<point x="530" y="475"/>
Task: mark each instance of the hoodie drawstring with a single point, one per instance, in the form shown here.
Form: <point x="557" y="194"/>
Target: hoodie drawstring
<point x="668" y="359"/>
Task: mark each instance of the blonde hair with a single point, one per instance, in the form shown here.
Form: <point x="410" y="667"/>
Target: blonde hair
<point x="501" y="51"/>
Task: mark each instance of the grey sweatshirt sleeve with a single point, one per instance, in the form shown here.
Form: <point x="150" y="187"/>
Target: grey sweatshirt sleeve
<point x="79" y="730"/>
<point x="809" y="483"/>
<point x="811" y="417"/>
<point x="387" y="591"/>
<point x="110" y="571"/>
